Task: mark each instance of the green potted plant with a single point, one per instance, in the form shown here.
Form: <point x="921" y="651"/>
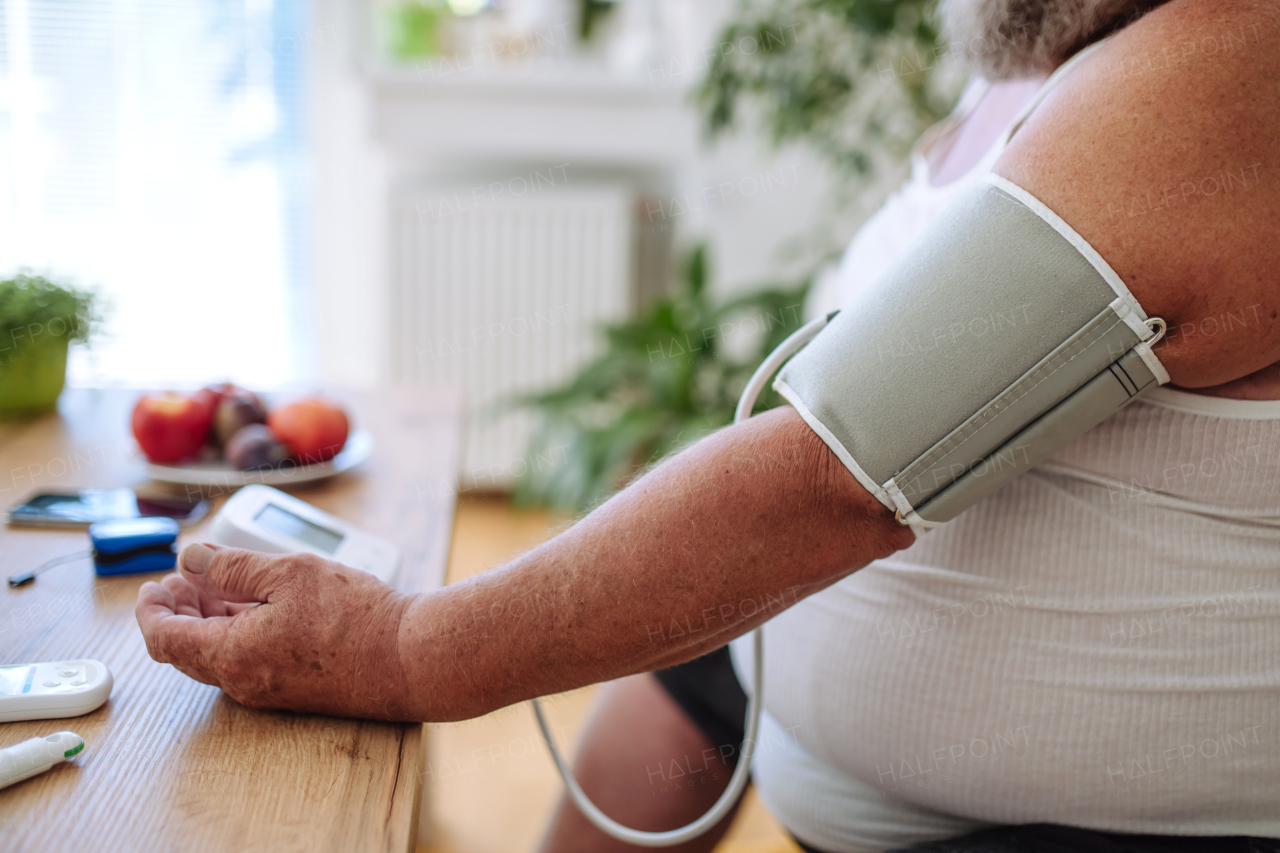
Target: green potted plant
<point x="39" y="319"/>
<point x="413" y="28"/>
<point x="664" y="379"/>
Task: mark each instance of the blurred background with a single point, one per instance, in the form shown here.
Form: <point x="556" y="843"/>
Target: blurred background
<point x="593" y="217"/>
<point x="356" y="192"/>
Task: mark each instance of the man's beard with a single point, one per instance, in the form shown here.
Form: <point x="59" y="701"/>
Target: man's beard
<point x="1009" y="39"/>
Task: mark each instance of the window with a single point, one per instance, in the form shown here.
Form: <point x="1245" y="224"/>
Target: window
<point x="155" y="148"/>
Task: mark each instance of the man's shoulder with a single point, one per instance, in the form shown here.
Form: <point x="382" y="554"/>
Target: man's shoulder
<point x="1162" y="149"/>
<point x="1190" y="81"/>
<point x="1204" y="43"/>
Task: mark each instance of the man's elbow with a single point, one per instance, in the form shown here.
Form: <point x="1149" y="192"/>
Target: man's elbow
<point x="846" y="520"/>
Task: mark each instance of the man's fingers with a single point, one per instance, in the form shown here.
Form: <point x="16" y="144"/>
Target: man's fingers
<point x="185" y="640"/>
<point x="234" y="607"/>
<point x="155" y="603"/>
<point x="190" y="601"/>
<point x="211" y="606"/>
<point x="188" y="641"/>
<point x="154" y="594"/>
<point x="186" y="598"/>
<point x="233" y="575"/>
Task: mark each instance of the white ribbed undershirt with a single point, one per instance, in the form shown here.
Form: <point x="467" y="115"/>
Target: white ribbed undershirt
<point x="1064" y="651"/>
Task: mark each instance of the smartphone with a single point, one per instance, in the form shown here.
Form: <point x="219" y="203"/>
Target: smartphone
<point x="89" y="506"/>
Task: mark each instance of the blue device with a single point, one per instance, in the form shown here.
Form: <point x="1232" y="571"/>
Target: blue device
<point x="133" y="545"/>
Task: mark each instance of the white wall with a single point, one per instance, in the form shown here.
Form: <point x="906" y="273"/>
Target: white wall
<point x="757" y="209"/>
<point x="348" y="237"/>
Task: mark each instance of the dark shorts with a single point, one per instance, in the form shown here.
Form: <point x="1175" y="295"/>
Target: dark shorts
<point x="708" y="690"/>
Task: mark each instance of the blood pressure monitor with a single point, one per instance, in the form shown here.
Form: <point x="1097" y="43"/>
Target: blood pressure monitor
<point x="260" y="518"/>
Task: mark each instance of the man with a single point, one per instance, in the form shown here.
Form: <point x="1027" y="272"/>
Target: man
<point x="1057" y="717"/>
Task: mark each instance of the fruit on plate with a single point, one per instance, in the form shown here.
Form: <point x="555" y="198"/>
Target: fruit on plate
<point x="213" y="394"/>
<point x="237" y="409"/>
<point x="170" y="427"/>
<point x="313" y="429"/>
<point x="255" y="447"/>
<point x="227" y="421"/>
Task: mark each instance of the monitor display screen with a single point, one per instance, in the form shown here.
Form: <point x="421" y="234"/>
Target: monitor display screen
<point x="284" y="522"/>
<point x="15" y="680"/>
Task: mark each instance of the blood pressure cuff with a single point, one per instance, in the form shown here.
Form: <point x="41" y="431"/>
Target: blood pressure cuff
<point x="998" y="337"/>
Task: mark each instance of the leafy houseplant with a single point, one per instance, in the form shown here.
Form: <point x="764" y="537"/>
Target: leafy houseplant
<point x="38" y="320"/>
<point x="856" y="80"/>
<point x="665" y="379"/>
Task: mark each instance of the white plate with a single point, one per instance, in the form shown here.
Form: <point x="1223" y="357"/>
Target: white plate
<point x="359" y="447"/>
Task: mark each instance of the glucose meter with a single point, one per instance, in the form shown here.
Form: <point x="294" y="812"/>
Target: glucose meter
<point x="260" y="518"/>
<point x="51" y="690"/>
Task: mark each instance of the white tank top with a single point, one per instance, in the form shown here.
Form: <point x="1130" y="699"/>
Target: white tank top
<point x="1098" y="644"/>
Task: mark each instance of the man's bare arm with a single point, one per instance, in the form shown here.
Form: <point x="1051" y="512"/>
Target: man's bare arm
<point x="698" y="551"/>
<point x="1162" y="150"/>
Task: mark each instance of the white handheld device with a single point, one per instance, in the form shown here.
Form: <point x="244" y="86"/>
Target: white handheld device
<point x="260" y="518"/>
<point x="50" y="691"/>
<point x="32" y="757"/>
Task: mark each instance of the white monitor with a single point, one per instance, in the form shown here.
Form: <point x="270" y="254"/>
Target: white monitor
<point x="261" y="518"/>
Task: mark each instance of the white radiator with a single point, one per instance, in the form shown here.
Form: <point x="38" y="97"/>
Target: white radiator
<point x="501" y="293"/>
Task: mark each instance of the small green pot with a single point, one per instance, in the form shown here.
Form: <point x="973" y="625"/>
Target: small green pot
<point x="32" y="376"/>
<point x="414" y="29"/>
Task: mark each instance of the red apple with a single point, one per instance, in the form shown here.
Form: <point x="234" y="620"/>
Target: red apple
<point x="313" y="429"/>
<point x="208" y="398"/>
<point x="170" y="426"/>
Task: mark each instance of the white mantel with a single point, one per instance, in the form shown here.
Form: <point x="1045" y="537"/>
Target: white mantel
<point x="549" y="112"/>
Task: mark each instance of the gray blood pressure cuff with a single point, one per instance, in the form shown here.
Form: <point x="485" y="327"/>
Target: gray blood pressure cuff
<point x="998" y="337"/>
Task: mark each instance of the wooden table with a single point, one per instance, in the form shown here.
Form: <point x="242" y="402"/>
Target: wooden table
<point x="171" y="764"/>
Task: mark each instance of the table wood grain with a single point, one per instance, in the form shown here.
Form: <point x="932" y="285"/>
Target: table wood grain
<point x="171" y="764"/>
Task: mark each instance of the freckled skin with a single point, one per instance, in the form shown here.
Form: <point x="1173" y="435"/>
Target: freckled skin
<point x="238" y="645"/>
<point x="764" y="509"/>
<point x="1128" y="123"/>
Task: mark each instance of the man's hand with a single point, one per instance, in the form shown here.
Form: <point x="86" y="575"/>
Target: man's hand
<point x="297" y="632"/>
